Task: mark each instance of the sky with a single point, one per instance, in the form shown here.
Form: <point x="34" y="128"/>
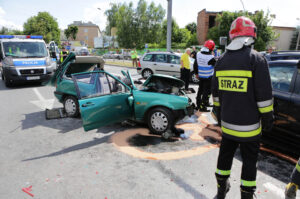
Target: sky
<point x="13" y="13"/>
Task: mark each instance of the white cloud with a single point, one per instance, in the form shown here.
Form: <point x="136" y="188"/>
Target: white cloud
<point x="95" y="15"/>
<point x="6" y="23"/>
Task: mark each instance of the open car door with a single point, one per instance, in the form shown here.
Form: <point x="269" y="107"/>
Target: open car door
<point x="103" y="99"/>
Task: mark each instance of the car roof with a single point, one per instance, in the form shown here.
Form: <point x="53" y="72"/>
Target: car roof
<point x="282" y="53"/>
<point x="162" y="52"/>
<point x="292" y="61"/>
<point x="88" y="59"/>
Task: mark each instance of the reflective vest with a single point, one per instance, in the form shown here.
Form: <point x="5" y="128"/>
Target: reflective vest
<point x="133" y="54"/>
<point x="204" y="70"/>
<point x="11" y="52"/>
<point x="62" y="56"/>
<point x="241" y="88"/>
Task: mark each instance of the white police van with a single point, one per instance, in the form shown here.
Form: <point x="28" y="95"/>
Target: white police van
<point x="24" y="58"/>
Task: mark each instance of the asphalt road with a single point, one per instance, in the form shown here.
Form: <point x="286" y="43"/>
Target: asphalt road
<point x="59" y="160"/>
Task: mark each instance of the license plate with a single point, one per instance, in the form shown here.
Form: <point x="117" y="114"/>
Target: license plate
<point x="33" y="78"/>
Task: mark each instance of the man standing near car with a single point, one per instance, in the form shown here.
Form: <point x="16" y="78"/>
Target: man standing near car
<point x="63" y="54"/>
<point x="134" y="57"/>
<point x="292" y="187"/>
<point x="204" y="68"/>
<point x="242" y="94"/>
<point x="185" y="68"/>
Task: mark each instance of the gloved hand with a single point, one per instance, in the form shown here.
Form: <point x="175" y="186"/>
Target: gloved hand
<point x="267" y="120"/>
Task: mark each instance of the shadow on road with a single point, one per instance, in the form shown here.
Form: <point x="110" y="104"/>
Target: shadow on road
<point x="77" y="147"/>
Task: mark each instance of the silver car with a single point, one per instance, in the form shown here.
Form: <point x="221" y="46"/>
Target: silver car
<point x="166" y="63"/>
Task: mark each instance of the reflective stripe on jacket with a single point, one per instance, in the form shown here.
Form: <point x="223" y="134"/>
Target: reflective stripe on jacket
<point x="204" y="70"/>
<point x="241" y="88"/>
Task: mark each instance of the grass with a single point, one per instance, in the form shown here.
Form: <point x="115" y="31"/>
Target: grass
<point x="119" y="63"/>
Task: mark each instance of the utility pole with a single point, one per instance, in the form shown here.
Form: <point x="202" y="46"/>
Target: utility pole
<point x="169" y="26"/>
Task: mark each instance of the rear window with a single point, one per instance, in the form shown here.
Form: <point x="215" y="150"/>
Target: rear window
<point x="148" y="57"/>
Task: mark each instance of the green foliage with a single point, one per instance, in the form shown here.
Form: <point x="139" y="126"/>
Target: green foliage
<point x="294" y="40"/>
<point x="264" y="32"/>
<point x="6" y="31"/>
<point x="136" y="26"/>
<point x="71" y="31"/>
<point x="192" y="27"/>
<point x="193" y="40"/>
<point x="43" y="24"/>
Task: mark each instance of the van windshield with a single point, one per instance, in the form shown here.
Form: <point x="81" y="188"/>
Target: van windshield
<point x="25" y="49"/>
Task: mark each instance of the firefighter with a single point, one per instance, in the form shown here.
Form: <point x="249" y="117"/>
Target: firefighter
<point x="63" y="54"/>
<point x="242" y="95"/>
<point x="205" y="62"/>
<point x="293" y="186"/>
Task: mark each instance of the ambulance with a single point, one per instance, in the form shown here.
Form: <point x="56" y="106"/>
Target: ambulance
<point x="24" y="58"/>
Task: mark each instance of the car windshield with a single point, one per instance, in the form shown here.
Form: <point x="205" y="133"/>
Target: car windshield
<point x="25" y="49"/>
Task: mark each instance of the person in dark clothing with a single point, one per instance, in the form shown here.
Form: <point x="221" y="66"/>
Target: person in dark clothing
<point x="292" y="187"/>
<point x="63" y="54"/>
<point x="242" y="95"/>
<point x="204" y="66"/>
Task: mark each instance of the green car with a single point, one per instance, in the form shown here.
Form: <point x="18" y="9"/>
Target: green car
<point x="65" y="89"/>
<point x="104" y="99"/>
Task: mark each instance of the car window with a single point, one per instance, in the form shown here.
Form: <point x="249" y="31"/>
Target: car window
<point x="116" y="86"/>
<point x="173" y="59"/>
<point x="148" y="57"/>
<point x="161" y="58"/>
<point x="281" y="76"/>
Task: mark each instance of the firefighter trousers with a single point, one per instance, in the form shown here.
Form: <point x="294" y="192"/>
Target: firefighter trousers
<point x="296" y="174"/>
<point x="249" y="154"/>
<point x="204" y="90"/>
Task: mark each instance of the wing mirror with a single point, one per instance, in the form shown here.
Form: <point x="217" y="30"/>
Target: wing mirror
<point x="298" y="65"/>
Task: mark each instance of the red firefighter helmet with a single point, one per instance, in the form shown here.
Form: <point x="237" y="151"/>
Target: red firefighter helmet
<point x="242" y="26"/>
<point x="210" y="44"/>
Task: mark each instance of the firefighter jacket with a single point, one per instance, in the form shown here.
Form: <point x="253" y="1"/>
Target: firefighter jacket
<point x="242" y="91"/>
<point x="204" y="64"/>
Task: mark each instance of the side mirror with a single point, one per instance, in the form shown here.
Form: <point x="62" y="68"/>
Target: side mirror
<point x="298" y="65"/>
<point x="53" y="55"/>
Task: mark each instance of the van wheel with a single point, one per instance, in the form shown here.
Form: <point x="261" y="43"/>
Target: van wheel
<point x="194" y="78"/>
<point x="71" y="106"/>
<point x="147" y="73"/>
<point x="7" y="82"/>
<point x="160" y="120"/>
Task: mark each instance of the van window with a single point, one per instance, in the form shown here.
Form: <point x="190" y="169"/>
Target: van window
<point x="281" y="76"/>
<point x="173" y="59"/>
<point x="148" y="57"/>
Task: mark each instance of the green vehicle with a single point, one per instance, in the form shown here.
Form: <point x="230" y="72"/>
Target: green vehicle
<point x="104" y="99"/>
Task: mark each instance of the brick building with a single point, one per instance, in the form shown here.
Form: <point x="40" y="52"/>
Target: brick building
<point x="86" y="32"/>
<point x="205" y="21"/>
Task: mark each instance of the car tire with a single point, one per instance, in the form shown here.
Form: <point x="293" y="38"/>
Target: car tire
<point x="7" y="82"/>
<point x="147" y="73"/>
<point x="160" y="120"/>
<point x="194" y="78"/>
<point x="71" y="106"/>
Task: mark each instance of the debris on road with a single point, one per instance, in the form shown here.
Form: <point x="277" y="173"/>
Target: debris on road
<point x="55" y="113"/>
<point x="28" y="190"/>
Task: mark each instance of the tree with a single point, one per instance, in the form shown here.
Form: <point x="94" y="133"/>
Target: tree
<point x="294" y="40"/>
<point x="111" y="15"/>
<point x="7" y="31"/>
<point x="192" y="27"/>
<point x="265" y="33"/>
<point x="71" y="31"/>
<point x="67" y="33"/>
<point x="43" y="24"/>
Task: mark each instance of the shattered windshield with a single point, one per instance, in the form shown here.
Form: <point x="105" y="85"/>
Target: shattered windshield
<point x="25" y="49"/>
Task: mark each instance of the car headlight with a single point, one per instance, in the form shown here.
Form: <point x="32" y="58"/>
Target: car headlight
<point x="48" y="61"/>
<point x="8" y="62"/>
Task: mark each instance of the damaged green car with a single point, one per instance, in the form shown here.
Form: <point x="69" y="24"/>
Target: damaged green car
<point x="104" y="99"/>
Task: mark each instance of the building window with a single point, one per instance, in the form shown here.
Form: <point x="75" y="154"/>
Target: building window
<point x="85" y="30"/>
<point x="212" y="21"/>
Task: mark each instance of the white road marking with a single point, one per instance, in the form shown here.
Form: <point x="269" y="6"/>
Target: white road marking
<point x="272" y="188"/>
<point x="42" y="102"/>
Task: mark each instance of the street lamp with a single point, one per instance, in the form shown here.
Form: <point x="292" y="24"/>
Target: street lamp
<point x="169" y="25"/>
<point x="298" y="38"/>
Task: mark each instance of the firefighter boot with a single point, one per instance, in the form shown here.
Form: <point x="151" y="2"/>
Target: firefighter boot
<point x="247" y="194"/>
<point x="290" y="191"/>
<point x="223" y="188"/>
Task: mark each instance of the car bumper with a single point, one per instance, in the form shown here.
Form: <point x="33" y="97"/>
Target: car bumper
<point x="13" y="75"/>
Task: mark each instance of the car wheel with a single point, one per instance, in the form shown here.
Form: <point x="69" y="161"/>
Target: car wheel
<point x="194" y="78"/>
<point x="147" y="73"/>
<point x="71" y="106"/>
<point x="160" y="120"/>
<point x="7" y="82"/>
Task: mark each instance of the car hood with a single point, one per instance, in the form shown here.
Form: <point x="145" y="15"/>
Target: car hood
<point x="60" y="68"/>
<point x="158" y="77"/>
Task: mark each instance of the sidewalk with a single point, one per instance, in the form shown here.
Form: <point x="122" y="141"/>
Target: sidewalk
<point x="119" y="63"/>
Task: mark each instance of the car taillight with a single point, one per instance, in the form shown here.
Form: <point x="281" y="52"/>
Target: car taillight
<point x="139" y="64"/>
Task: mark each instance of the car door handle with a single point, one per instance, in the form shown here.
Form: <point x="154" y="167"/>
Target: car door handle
<point x="88" y="104"/>
<point x="154" y="64"/>
<point x="172" y="65"/>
